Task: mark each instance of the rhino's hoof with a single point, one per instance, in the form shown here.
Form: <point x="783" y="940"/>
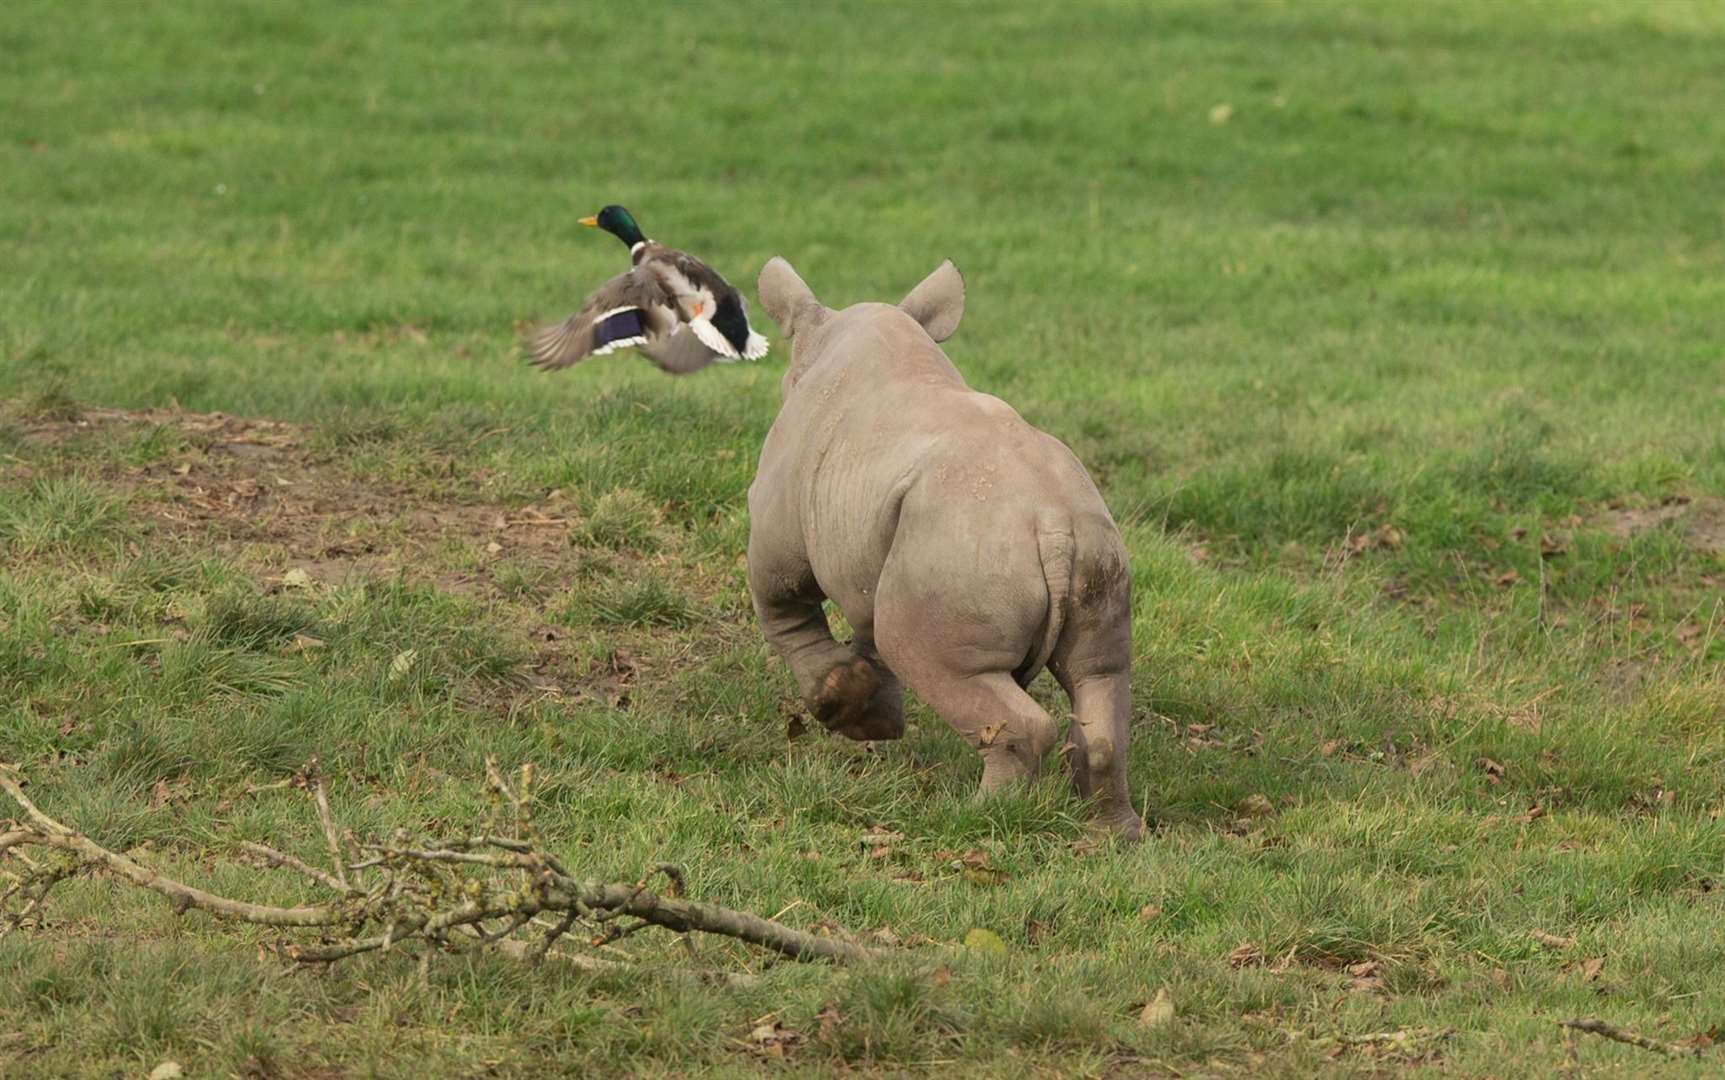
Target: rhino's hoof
<point x="845" y="704"/>
<point x="1121" y="825"/>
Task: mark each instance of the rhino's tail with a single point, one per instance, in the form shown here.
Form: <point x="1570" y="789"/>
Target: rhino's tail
<point x="1054" y="546"/>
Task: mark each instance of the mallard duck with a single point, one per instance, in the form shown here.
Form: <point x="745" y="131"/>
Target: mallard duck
<point x="670" y="305"/>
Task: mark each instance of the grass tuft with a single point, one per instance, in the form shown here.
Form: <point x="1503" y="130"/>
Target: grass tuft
<point x="61" y="515"/>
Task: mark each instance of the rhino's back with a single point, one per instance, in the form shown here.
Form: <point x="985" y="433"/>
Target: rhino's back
<point x="885" y="426"/>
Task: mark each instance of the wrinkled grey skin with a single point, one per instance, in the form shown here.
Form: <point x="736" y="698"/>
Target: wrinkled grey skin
<point x="967" y="549"/>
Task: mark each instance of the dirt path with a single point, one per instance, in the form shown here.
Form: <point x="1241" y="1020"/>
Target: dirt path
<point x="259" y="486"/>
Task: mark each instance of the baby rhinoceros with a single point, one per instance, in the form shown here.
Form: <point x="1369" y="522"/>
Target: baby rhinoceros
<point x="967" y="549"/>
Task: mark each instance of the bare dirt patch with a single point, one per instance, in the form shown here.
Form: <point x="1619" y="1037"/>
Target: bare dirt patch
<point x="1702" y="520"/>
<point x="260" y="492"/>
<point x="258" y="485"/>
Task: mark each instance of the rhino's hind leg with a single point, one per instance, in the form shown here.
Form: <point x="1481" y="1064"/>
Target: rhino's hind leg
<point x="1096" y="754"/>
<point x="1093" y="663"/>
<point x="994" y="714"/>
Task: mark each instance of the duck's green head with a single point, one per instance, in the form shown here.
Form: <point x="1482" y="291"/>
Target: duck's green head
<point x="618" y="222"/>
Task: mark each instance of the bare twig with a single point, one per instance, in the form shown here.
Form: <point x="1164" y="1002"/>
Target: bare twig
<point x="289" y="862"/>
<point x="1404" y="1041"/>
<point x="441" y="894"/>
<point x="685" y="915"/>
<point x="520" y="950"/>
<point x="1592" y="1025"/>
<point x="538" y="950"/>
<point x="679" y="884"/>
<point x="51" y="833"/>
<point x="447" y="855"/>
<point x="330" y="834"/>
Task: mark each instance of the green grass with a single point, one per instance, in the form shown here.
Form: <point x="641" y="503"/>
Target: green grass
<point x="1377" y="374"/>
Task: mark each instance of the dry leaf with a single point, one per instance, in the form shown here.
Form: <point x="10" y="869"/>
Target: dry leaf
<point x="830" y="1020"/>
<point x="1254" y="806"/>
<point x="986" y="941"/>
<point x="1221" y="114"/>
<point x="973" y="866"/>
<point x="297" y="578"/>
<point x="1159" y="1011"/>
<point x="303" y="643"/>
<point x="1149" y="912"/>
<point x="983" y="875"/>
<point x="1247" y="955"/>
<point x="1702" y="1040"/>
<point x="1552" y="941"/>
<point x="402" y="663"/>
<point x="493" y="548"/>
<point x="167" y="1070"/>
<point x="1493" y="770"/>
<point x="1592" y="968"/>
<point x="942" y="975"/>
<point x="1366" y="977"/>
<point x="879" y="843"/>
<point x="769" y="1038"/>
<point x="1329" y="749"/>
<point x="1689" y="634"/>
<point x="1507" y="578"/>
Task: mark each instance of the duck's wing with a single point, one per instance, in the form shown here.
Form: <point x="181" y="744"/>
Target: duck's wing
<point x="731" y="320"/>
<point x="714" y="310"/>
<point x="632" y="308"/>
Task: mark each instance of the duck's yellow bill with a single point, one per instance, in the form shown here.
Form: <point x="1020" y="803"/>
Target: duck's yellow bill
<point x="591" y="219"/>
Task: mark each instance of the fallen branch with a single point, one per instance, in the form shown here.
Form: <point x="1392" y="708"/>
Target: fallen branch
<point x="1596" y="1026"/>
<point x="1404" y="1040"/>
<point x="475" y="892"/>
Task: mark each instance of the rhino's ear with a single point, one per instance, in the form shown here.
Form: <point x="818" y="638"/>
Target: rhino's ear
<point x="788" y="299"/>
<point x="938" y="303"/>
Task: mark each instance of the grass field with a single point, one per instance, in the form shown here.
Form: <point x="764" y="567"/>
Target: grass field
<point x="1393" y="334"/>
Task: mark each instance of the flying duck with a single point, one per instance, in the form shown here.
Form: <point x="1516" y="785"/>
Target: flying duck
<point x="670" y="305"/>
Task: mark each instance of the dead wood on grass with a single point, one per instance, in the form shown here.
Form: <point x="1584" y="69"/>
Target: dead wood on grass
<point x="1595" y="1026"/>
<point x="497" y="888"/>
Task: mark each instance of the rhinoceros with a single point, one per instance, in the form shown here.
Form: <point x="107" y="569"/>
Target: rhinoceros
<point x="967" y="549"/>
